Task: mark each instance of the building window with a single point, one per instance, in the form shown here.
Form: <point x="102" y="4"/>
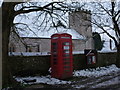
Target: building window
<point x="32" y="48"/>
<point x="12" y="48"/>
<point x="29" y="49"/>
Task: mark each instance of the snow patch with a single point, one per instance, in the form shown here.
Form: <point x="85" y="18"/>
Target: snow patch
<point x="28" y="53"/>
<point x="78" y="86"/>
<point x="100" y="71"/>
<point x="43" y="79"/>
<point x="78" y="52"/>
<point x="107" y="51"/>
<point x="37" y="53"/>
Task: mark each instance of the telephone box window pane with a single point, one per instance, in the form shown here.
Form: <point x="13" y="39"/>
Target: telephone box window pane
<point x="66" y="62"/>
<point x="54" y="62"/>
<point x="67" y="47"/>
<point x="55" y="59"/>
<point x="66" y="55"/>
<point x="66" y="70"/>
<point x="66" y="66"/>
<point x="66" y="51"/>
<point x="55" y="47"/>
<point x="66" y="43"/>
<point x="67" y="59"/>
<point x="54" y="44"/>
<point x="66" y="37"/>
<point x="55" y="38"/>
<point x="54" y="55"/>
<point x="54" y="52"/>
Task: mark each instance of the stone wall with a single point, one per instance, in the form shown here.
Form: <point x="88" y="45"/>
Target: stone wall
<point x="105" y="59"/>
<point x="39" y="65"/>
<point x="32" y="65"/>
<point x="78" y="45"/>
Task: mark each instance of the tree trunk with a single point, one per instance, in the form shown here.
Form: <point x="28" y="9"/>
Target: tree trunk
<point x="118" y="56"/>
<point x="5" y="68"/>
<point x="7" y="21"/>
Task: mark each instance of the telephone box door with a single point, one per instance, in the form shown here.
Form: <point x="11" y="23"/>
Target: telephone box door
<point x="67" y="58"/>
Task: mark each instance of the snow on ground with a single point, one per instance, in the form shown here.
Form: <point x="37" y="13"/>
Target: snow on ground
<point x="43" y="79"/>
<point x="107" y="51"/>
<point x="100" y="71"/>
<point x="37" y="53"/>
<point x="78" y="52"/>
<point x="28" y="53"/>
<point x="48" y="53"/>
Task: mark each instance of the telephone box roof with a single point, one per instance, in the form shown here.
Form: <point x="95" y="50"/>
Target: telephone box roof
<point x="61" y="34"/>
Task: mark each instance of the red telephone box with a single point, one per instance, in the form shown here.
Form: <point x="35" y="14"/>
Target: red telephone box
<point x="61" y="56"/>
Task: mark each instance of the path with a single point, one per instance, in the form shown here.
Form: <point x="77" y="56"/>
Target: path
<point x="109" y="82"/>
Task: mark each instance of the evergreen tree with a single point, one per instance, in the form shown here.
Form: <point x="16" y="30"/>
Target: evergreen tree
<point x="98" y="43"/>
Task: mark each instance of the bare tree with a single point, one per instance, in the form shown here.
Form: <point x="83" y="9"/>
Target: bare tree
<point x="49" y="11"/>
<point x="10" y="11"/>
<point x="106" y="16"/>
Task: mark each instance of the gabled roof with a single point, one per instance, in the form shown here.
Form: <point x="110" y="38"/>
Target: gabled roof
<point x="53" y="30"/>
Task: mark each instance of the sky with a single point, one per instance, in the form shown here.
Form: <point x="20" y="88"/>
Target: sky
<point x="1" y="2"/>
<point x="104" y="36"/>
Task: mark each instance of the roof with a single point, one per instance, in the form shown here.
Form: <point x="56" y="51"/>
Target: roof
<point x="51" y="31"/>
<point x="61" y="34"/>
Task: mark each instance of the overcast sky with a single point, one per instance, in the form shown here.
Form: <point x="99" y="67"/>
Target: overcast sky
<point x="104" y="36"/>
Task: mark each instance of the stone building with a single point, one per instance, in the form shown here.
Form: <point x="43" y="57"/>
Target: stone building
<point x="80" y="21"/>
<point x="79" y="28"/>
<point x="43" y="44"/>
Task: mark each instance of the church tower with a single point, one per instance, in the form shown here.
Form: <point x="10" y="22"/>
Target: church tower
<point x="80" y="21"/>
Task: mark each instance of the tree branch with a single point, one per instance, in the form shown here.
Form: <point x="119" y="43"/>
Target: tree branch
<point x="104" y="9"/>
<point x="26" y="26"/>
<point x="14" y="31"/>
<point x="36" y="8"/>
<point x="98" y="25"/>
<point x="115" y="24"/>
